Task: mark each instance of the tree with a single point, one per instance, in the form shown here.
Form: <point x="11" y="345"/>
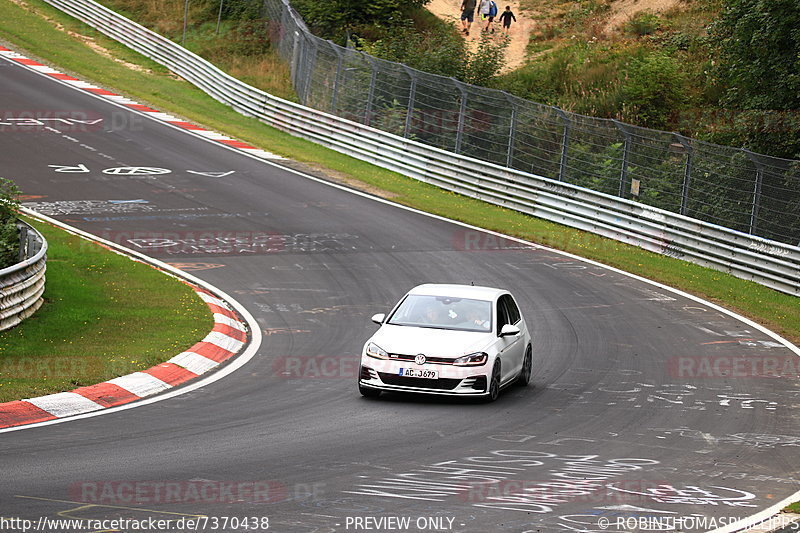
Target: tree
<point x="759" y="44"/>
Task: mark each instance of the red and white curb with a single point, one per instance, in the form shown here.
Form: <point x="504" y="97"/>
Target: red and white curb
<point x="224" y="341"/>
<point x="135" y="106"/>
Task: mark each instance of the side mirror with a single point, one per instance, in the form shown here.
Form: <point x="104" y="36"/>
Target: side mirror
<point x="380" y="317"/>
<point x="509" y="330"/>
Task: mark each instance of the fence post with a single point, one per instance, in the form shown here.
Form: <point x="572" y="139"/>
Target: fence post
<point x="339" y="60"/>
<point x="412" y="93"/>
<point x="687" y="172"/>
<point x="185" y="22"/>
<point x="371" y="95"/>
<point x="562" y="166"/>
<point x="512" y="130"/>
<point x="623" y="175"/>
<point x="756" y="191"/>
<point x="462" y="115"/>
<point x="293" y="66"/>
<point x="309" y="59"/>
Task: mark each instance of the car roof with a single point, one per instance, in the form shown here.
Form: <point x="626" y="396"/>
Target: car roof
<point x="458" y="291"/>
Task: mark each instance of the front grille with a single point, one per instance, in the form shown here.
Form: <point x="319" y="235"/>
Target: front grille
<point x="434" y="360"/>
<point x="422" y="383"/>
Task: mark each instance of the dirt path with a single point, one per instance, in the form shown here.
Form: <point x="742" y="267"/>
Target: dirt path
<point x="519" y="33"/>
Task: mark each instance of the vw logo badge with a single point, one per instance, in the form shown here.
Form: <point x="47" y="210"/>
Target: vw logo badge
<point x="420" y="359"/>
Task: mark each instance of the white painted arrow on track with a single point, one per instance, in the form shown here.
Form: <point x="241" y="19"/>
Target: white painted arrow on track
<point x="212" y="174"/>
<point x="68" y="168"/>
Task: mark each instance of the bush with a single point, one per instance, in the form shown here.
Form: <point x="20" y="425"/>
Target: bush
<point x="9" y="234"/>
<point x="486" y="62"/>
<point x="336" y="19"/>
<point x="776" y="133"/>
<point x="654" y="90"/>
<point x="674" y="40"/>
<point x="644" y="23"/>
<point x="444" y="53"/>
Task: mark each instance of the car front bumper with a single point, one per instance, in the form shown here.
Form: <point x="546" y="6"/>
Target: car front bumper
<point x="385" y="375"/>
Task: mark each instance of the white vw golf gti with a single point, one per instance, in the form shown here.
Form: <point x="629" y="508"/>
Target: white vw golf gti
<point x="448" y="339"/>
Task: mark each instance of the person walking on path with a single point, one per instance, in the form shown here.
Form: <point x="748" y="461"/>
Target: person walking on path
<point x="490" y="16"/>
<point x="467" y="14"/>
<point x="505" y="19"/>
<point x="483" y="9"/>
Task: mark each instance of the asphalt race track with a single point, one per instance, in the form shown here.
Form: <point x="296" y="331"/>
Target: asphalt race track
<point x="629" y="414"/>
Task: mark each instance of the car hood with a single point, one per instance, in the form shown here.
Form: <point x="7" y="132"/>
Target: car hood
<point x="432" y="342"/>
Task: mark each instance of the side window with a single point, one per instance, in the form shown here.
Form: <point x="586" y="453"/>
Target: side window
<point x="502" y="314"/>
<point x="513" y="310"/>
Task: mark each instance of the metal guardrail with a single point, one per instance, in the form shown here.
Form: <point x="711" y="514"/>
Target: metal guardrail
<point x="22" y="284"/>
<point x="768" y="262"/>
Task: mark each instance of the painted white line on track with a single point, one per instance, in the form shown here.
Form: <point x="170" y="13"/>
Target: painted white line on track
<point x="761" y="517"/>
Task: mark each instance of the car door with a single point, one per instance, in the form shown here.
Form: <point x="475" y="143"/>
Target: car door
<point x="511" y="348"/>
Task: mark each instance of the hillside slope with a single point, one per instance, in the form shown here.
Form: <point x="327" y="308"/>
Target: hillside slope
<point x="533" y="15"/>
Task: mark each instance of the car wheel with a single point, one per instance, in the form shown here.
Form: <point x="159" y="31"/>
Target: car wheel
<point x="494" y="383"/>
<point x="368" y="392"/>
<point x="525" y="372"/>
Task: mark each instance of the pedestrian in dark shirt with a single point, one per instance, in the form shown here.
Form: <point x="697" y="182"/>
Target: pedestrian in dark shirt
<point x="506" y="17"/>
<point x="467" y="14"/>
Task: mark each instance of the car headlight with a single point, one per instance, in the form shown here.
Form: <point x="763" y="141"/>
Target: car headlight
<point x="373" y="350"/>
<point x="473" y="359"/>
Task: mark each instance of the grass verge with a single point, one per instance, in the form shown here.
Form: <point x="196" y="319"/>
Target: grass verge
<point x="104" y="316"/>
<point x="792" y="508"/>
<point x="28" y="29"/>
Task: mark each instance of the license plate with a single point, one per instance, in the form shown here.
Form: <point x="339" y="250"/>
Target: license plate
<point x="418" y="373"/>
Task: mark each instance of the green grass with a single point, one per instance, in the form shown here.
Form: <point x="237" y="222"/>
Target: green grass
<point x="27" y="30"/>
<point x="104" y="316"/>
<point x="793" y="508"/>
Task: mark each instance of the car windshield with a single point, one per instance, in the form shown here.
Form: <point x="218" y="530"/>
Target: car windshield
<point x="443" y="312"/>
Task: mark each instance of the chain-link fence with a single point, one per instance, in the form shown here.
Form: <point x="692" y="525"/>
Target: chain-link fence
<point x="730" y="187"/>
